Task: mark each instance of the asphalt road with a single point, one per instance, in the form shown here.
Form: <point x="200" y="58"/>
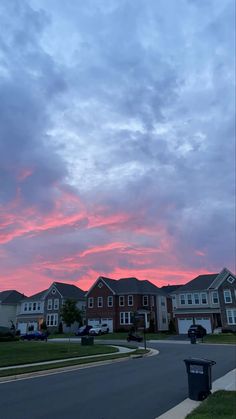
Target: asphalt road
<point x="141" y="388"/>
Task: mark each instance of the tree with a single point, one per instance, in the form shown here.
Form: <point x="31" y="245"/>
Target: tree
<point x="70" y="313"/>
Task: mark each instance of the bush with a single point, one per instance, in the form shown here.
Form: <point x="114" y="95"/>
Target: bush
<point x="8" y="338"/>
<point x="228" y="330"/>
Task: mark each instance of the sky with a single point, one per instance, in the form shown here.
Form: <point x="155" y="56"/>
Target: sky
<point x="117" y="141"/>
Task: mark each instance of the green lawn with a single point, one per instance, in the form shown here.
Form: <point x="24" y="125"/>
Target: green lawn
<point x="17" y="371"/>
<point x="220" y="405"/>
<point x="221" y="338"/>
<point x="16" y="353"/>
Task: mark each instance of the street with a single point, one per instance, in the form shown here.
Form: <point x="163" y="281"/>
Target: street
<point x="142" y="388"/>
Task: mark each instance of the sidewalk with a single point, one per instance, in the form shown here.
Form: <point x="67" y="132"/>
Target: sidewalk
<point x="227" y="382"/>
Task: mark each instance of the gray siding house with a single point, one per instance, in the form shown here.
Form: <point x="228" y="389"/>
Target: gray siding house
<point x="209" y="300"/>
<point x="8" y="307"/>
<point x="45" y="306"/>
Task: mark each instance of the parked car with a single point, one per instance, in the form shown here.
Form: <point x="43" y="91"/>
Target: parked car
<point x="34" y="336"/>
<point x="198" y="330"/>
<point x="135" y="337"/>
<point x="99" y="330"/>
<point x="83" y="330"/>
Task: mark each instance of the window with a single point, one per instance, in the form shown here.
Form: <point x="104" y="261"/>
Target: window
<point x="174" y="301"/>
<point x="50" y="304"/>
<point x="52" y="319"/>
<point x="189" y="299"/>
<point x="163" y="301"/>
<point x="121" y="300"/>
<point x="182" y="298"/>
<point x="100" y="301"/>
<point x="231" y="316"/>
<point x="227" y="296"/>
<point x="152" y="301"/>
<point x="196" y="298"/>
<point x="34" y="306"/>
<point x="125" y="317"/>
<point x="230" y="279"/>
<point x="110" y="301"/>
<point x="30" y="306"/>
<point x="214" y="297"/>
<point x="163" y="319"/>
<point x="90" y="302"/>
<point x="25" y="307"/>
<point x="56" y="303"/>
<point x="130" y="300"/>
<point x="38" y="306"/>
<point x="204" y="298"/>
<point x="100" y="285"/>
<point x="53" y="291"/>
<point x="145" y="300"/>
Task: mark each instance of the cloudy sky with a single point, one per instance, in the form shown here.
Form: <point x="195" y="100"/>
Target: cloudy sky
<point x="117" y="140"/>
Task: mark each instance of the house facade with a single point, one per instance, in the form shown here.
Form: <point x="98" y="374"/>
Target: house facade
<point x="8" y="307"/>
<point x="209" y="300"/>
<point x="45" y="306"/>
<point x="116" y="302"/>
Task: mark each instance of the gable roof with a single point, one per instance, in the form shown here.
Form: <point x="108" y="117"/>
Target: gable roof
<point x="35" y="297"/>
<point x="10" y="297"/>
<point x="69" y="291"/>
<point x="130" y="285"/>
<point x="201" y="282"/>
<point x="170" y="288"/>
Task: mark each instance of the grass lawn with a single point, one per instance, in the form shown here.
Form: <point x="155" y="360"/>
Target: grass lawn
<point x="220" y="405"/>
<point x="27" y="370"/>
<point x="16" y="353"/>
<point x="221" y="338"/>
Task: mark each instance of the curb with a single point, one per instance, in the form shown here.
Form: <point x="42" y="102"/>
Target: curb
<point x="226" y="382"/>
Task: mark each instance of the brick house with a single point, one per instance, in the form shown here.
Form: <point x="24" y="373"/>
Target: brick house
<point x="115" y="301"/>
<point x="209" y="300"/>
<point x="46" y="306"/>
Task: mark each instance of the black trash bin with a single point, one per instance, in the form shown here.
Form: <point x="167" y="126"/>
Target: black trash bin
<point x="199" y="377"/>
<point x="193" y="337"/>
<point x="87" y="340"/>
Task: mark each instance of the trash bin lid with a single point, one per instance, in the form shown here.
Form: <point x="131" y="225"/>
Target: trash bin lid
<point x="199" y="361"/>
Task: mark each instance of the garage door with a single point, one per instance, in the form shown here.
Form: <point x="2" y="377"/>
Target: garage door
<point x="109" y="323"/>
<point x="205" y="322"/>
<point x="93" y="322"/>
<point x="184" y="324"/>
<point x="22" y="327"/>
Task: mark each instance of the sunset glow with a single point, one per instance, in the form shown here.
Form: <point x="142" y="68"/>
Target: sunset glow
<point x="117" y="148"/>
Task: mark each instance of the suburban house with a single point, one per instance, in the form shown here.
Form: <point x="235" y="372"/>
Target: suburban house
<point x="46" y="306"/>
<point x="8" y="307"/>
<point x="209" y="300"/>
<point x="169" y="289"/>
<point x="115" y="302"/>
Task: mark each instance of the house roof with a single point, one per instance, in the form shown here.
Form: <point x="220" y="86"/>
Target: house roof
<point x="170" y="288"/>
<point x="38" y="296"/>
<point x="10" y="297"/>
<point x="201" y="282"/>
<point x="70" y="291"/>
<point x="131" y="285"/>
